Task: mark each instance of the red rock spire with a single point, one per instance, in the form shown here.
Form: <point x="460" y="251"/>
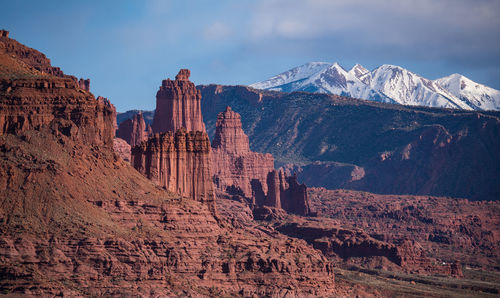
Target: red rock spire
<point x="229" y="136"/>
<point x="233" y="164"/>
<point x="178" y="104"/>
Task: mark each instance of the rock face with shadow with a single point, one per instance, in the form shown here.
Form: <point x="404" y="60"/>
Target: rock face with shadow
<point x="239" y="171"/>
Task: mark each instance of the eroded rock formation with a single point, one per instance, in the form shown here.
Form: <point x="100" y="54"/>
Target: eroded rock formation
<point x="283" y="192"/>
<point x="179" y="162"/>
<point x="134" y="130"/>
<point x="75" y="220"/>
<point x="234" y="165"/>
<point x="354" y="245"/>
<point x="448" y="229"/>
<point x="239" y="171"/>
<point x="178" y="104"/>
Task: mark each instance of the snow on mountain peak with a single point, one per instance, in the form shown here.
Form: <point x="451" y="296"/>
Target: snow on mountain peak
<point x="386" y="83"/>
<point x="479" y="96"/>
<point x="292" y="75"/>
<point x="358" y="70"/>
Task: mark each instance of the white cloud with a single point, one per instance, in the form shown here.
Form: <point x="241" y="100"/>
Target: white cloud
<point x="217" y="31"/>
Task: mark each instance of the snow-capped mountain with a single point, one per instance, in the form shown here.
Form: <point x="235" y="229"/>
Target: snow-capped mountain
<point x="386" y="83"/>
<point x="479" y="96"/>
<point x="293" y="75"/>
<point x="408" y="88"/>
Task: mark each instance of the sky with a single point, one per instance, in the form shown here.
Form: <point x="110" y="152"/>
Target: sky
<point x="127" y="47"/>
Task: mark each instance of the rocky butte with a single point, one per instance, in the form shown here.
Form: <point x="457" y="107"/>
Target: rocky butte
<point x="233" y="164"/>
<point x="177" y="156"/>
<point x="34" y="95"/>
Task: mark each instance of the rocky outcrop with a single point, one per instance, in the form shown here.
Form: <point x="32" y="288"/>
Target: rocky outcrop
<point x="233" y="164"/>
<point x="134" y="130"/>
<point x="239" y="171"/>
<point x="178" y="104"/>
<point x="357" y="246"/>
<point x="31" y="58"/>
<point x="283" y="192"/>
<point x="33" y="95"/>
<point x="84" y="84"/>
<point x="447" y="229"/>
<point x="178" y="162"/>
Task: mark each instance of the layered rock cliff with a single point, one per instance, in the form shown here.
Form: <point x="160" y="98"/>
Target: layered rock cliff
<point x="33" y="94"/>
<point x="446" y="228"/>
<point x="353" y="245"/>
<point x="239" y="171"/>
<point x="76" y="221"/>
<point x="178" y="104"/>
<point x="178" y="162"/>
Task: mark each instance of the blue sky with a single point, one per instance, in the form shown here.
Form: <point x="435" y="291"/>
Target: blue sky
<point x="127" y="47"/>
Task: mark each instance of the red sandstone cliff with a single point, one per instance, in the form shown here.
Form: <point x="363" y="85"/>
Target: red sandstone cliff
<point x="178" y="104"/>
<point x="283" y="192"/>
<point x="133" y="131"/>
<point x="179" y="162"/>
<point x="33" y="94"/>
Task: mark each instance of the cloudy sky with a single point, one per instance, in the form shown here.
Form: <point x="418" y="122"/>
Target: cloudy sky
<point x="127" y="47"/>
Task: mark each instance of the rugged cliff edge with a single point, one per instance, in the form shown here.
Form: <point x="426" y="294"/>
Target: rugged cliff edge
<point x="241" y="172"/>
<point x="34" y="94"/>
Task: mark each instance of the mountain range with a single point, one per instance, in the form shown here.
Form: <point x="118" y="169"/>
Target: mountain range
<point x="386" y="83"/>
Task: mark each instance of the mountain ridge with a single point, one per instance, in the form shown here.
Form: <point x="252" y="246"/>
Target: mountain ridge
<point x="386" y="83"/>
